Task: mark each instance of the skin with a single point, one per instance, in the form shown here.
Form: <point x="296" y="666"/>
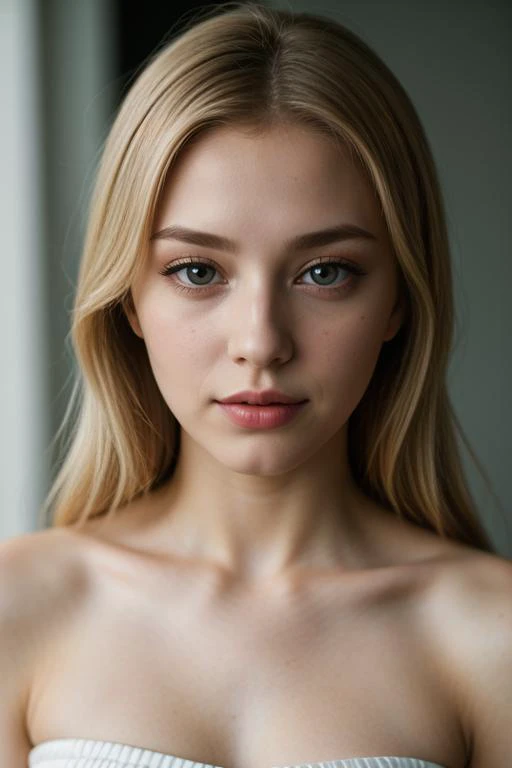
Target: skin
<point x="262" y="503"/>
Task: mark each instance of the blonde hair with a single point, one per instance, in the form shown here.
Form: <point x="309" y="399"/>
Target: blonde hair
<point x="253" y="66"/>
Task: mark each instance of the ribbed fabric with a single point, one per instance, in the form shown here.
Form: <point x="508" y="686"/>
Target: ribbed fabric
<point x="88" y="753"/>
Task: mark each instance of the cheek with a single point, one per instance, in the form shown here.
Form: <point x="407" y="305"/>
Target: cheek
<point x="179" y="350"/>
<point x="349" y="353"/>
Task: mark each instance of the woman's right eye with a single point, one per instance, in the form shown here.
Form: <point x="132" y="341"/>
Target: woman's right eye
<point x="194" y="270"/>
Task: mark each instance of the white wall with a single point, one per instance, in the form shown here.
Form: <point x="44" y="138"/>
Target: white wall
<point x="23" y="393"/>
<point x="55" y="71"/>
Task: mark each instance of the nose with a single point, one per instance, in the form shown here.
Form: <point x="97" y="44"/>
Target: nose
<point x="259" y="333"/>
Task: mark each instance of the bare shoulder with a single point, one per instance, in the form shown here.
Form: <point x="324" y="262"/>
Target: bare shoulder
<point x="39" y="571"/>
<point x="474" y="589"/>
<point x="37" y="582"/>
<point x="43" y="577"/>
<point x="473" y="609"/>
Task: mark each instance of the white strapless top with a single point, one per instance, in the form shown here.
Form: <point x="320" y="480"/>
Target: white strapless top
<point x="89" y="753"/>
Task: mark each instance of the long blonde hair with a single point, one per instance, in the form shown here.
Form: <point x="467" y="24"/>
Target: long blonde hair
<point x="256" y="66"/>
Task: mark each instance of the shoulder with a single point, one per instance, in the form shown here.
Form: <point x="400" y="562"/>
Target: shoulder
<point x="43" y="575"/>
<point x="38" y="568"/>
<point x="471" y="600"/>
<point x="474" y="589"/>
<point x="473" y="613"/>
<point x="40" y="580"/>
<point x="487" y="673"/>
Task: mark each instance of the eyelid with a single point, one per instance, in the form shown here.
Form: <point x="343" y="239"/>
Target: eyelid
<point x="181" y="263"/>
<point x="339" y="260"/>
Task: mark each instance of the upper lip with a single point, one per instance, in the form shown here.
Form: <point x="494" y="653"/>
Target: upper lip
<point x="261" y="398"/>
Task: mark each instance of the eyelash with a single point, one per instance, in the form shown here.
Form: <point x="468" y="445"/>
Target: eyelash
<point x="356" y="271"/>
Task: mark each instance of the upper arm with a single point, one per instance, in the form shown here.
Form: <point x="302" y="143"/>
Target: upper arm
<point x="43" y="579"/>
<point x="15" y="656"/>
<point x="487" y="676"/>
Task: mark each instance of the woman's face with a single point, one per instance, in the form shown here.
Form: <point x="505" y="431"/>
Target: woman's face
<point x="259" y="312"/>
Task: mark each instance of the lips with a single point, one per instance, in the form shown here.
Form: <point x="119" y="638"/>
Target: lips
<point x="262" y="405"/>
<point x="267" y="397"/>
<point x="269" y="416"/>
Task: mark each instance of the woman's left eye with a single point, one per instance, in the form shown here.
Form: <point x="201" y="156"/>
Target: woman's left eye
<point x="327" y="269"/>
<point x="324" y="270"/>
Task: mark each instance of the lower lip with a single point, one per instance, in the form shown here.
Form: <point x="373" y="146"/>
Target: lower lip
<point x="261" y="416"/>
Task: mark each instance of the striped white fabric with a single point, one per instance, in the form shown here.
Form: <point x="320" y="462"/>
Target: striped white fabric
<point x="89" y="753"/>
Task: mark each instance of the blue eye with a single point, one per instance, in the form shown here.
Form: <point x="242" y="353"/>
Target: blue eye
<point x="196" y="269"/>
<point x="320" y="270"/>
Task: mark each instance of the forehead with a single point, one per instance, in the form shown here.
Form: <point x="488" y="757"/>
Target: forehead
<point x="287" y="171"/>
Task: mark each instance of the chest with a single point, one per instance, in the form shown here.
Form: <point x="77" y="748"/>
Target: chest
<point x="241" y="680"/>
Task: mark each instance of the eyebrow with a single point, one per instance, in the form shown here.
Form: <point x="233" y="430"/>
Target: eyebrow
<point x="300" y="243"/>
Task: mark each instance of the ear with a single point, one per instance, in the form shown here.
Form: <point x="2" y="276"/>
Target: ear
<point x="396" y="319"/>
<point x="131" y="315"/>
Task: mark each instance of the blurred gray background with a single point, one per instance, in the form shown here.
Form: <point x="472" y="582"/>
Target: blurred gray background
<point x="64" y="66"/>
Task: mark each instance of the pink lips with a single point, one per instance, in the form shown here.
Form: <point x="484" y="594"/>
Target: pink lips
<point x="266" y="397"/>
<point x="261" y="410"/>
<point x="261" y="416"/>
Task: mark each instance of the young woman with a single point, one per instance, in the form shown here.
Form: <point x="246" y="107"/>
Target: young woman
<point x="263" y="551"/>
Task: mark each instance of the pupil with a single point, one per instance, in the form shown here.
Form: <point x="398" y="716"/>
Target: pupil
<point x="199" y="268"/>
<point x="320" y="270"/>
